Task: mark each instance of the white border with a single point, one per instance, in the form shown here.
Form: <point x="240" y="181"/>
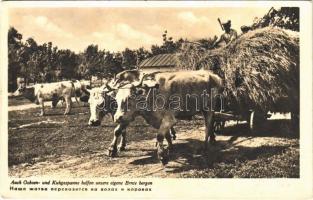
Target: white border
<point x="189" y="188"/>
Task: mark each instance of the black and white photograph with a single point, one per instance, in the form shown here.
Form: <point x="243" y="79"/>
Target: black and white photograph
<point x="198" y="92"/>
<point x="68" y="97"/>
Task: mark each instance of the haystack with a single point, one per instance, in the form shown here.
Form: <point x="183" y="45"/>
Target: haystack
<point x="260" y="69"/>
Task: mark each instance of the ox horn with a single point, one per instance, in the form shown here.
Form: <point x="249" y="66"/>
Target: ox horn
<point x="114" y="79"/>
<point x="110" y="88"/>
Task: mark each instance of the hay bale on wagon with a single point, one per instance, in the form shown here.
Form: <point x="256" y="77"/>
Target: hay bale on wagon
<point x="260" y="69"/>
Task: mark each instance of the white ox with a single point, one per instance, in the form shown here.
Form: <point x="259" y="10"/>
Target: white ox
<point x="182" y="94"/>
<point x="102" y="102"/>
<point x="39" y="93"/>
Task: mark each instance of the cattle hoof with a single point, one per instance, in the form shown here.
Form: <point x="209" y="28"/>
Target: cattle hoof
<point x="164" y="161"/>
<point x="112" y="153"/>
<point x="66" y="113"/>
<point x="163" y="155"/>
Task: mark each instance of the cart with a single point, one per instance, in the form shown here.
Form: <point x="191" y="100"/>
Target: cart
<point x="254" y="118"/>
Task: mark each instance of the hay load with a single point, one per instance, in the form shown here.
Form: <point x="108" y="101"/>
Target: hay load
<point x="260" y="69"/>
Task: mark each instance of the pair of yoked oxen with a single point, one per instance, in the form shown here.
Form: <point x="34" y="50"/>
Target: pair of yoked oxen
<point x="160" y="98"/>
<point x="133" y="93"/>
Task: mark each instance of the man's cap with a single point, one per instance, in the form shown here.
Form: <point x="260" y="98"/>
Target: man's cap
<point x="228" y="23"/>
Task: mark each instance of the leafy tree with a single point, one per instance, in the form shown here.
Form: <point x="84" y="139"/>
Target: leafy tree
<point x="285" y="17"/>
<point x="112" y="64"/>
<point x="142" y="54"/>
<point x="14" y="50"/>
<point x="67" y="62"/>
<point x="92" y="61"/>
<point x="168" y="46"/>
<point x="14" y="38"/>
<point x="129" y="60"/>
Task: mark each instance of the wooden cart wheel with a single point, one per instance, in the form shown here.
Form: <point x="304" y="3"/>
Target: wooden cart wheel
<point x="256" y="120"/>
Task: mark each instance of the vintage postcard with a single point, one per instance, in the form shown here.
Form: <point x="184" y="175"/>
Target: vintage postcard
<point x="158" y="100"/>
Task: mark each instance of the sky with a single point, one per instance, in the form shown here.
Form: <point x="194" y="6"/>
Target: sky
<point x="115" y="29"/>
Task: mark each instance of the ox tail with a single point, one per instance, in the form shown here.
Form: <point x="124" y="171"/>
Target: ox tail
<point x="74" y="91"/>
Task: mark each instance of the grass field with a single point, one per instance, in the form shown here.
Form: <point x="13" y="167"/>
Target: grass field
<point x="64" y="146"/>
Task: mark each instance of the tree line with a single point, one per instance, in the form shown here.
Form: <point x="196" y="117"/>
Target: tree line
<point x="45" y="62"/>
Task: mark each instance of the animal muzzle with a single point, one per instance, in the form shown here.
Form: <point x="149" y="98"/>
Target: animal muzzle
<point x="94" y="123"/>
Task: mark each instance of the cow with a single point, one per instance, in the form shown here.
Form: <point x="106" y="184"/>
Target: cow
<point x="102" y="102"/>
<point x="196" y="84"/>
<point x="80" y="91"/>
<point x="39" y="93"/>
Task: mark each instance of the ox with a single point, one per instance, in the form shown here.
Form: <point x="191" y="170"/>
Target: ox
<point x="183" y="96"/>
<point x="102" y="102"/>
<point x="39" y="93"/>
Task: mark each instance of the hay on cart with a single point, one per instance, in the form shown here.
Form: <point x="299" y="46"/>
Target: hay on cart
<point x="260" y="69"/>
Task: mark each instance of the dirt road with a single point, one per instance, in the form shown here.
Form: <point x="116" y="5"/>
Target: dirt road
<point x="28" y="105"/>
<point x="64" y="146"/>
